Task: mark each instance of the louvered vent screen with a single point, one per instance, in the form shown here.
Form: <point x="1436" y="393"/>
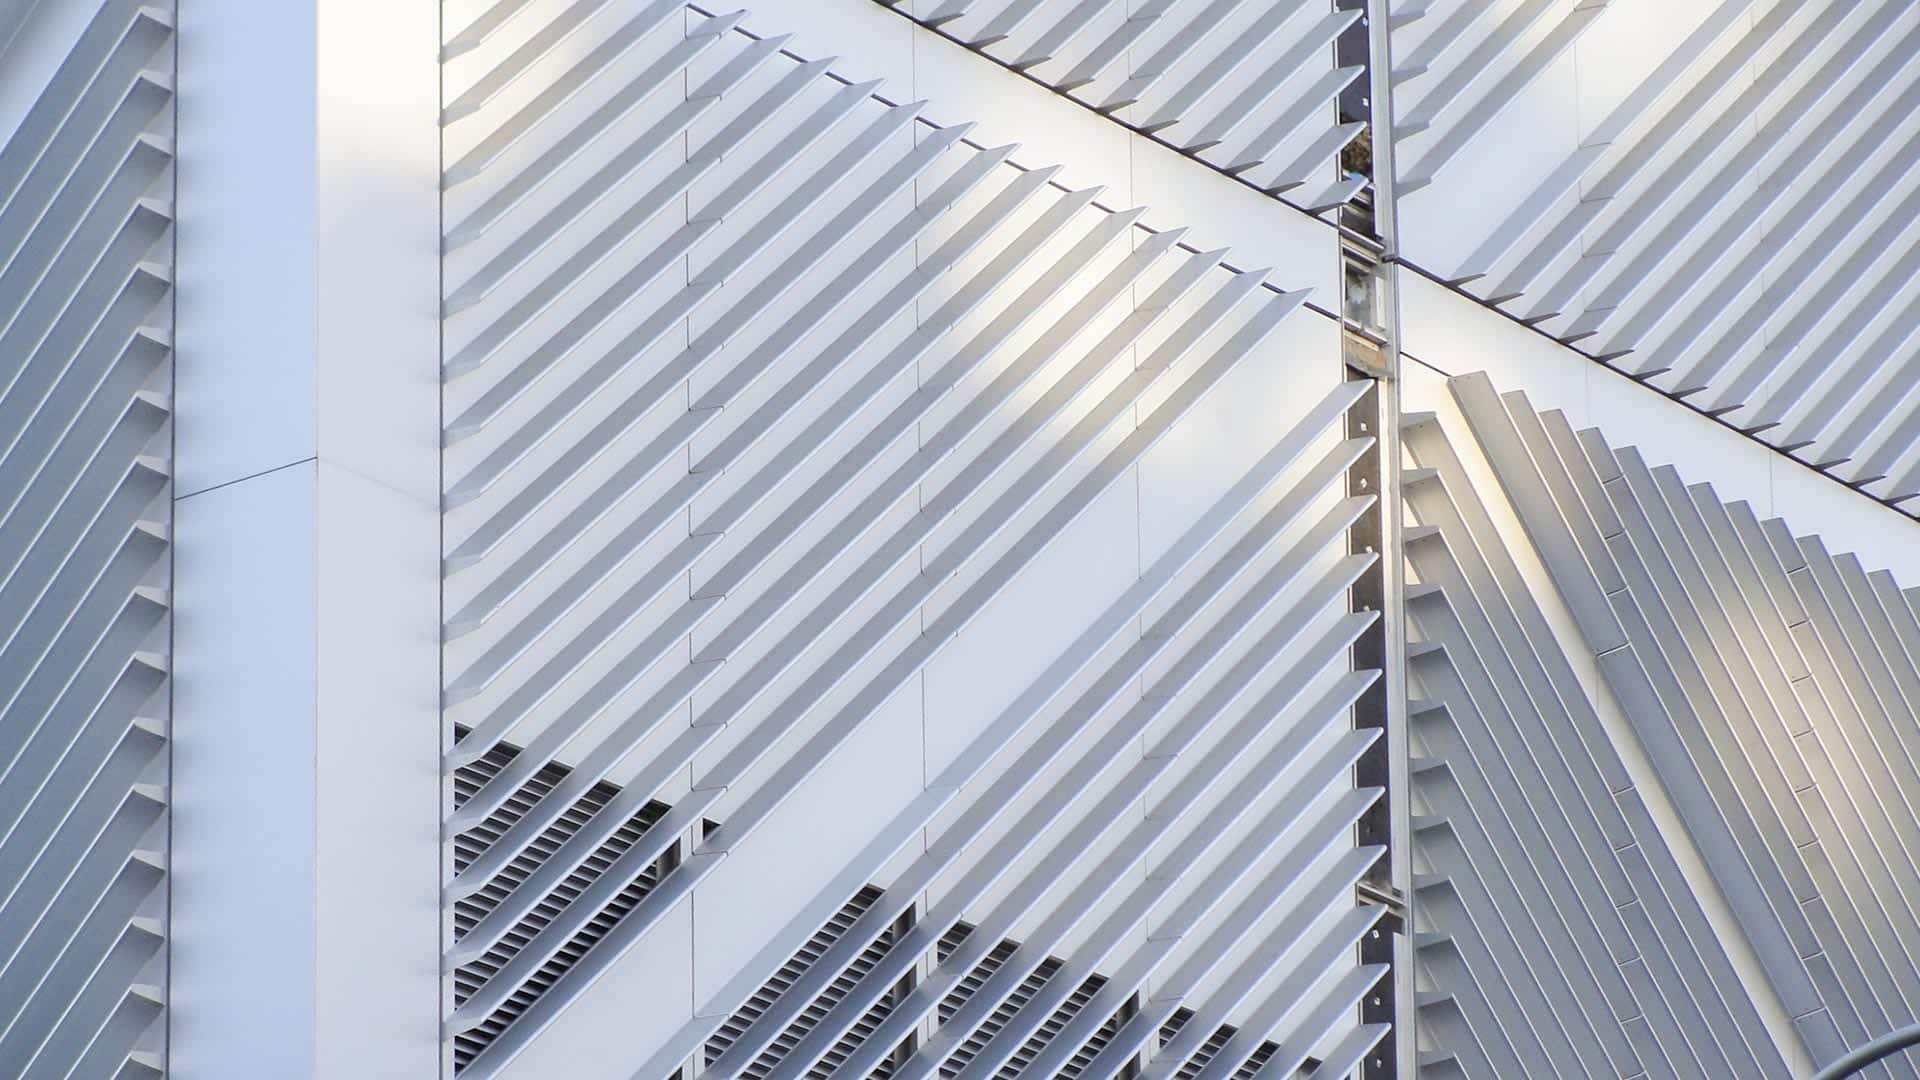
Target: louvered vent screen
<point x="1238" y="87"/>
<point x="470" y="910"/>
<point x="1059" y="1019"/>
<point x="868" y="1022"/>
<point x="1175" y="1024"/>
<point x="1002" y="1014"/>
<point x="1743" y="659"/>
<point x="768" y="1062"/>
<point x="1077" y="1065"/>
<point x="791" y="973"/>
<point x="1194" y="1065"/>
<point x="1201" y="1058"/>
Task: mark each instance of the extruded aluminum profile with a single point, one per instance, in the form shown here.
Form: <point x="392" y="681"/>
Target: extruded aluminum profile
<point x="84" y="487"/>
<point x="1767" y="682"/>
<point x="1786" y="312"/>
<point x="1244" y="88"/>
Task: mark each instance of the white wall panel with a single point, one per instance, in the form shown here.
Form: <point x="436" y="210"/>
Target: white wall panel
<point x="235" y="60"/>
<point x="308" y="332"/>
<point x="247" y="603"/>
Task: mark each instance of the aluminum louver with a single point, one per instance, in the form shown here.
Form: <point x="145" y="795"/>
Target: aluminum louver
<point x="1629" y="978"/>
<point x="1732" y="224"/>
<point x="1190" y="1068"/>
<point x="794" y="972"/>
<point x="1764" y="682"/>
<point x="85" y="493"/>
<point x="975" y="976"/>
<point x="613" y="544"/>
<point x="1003" y="1012"/>
<point x="472" y="910"/>
<point x="701" y="606"/>
<point x="1247" y="88"/>
<point x="769" y="1060"/>
<point x="1458" y="64"/>
<point x="978" y="979"/>
<point x="1102" y="1038"/>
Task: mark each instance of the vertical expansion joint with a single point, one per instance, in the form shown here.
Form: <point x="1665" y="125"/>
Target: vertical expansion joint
<point x="1371" y="711"/>
<point x="1369" y="347"/>
<point x="1353" y="50"/>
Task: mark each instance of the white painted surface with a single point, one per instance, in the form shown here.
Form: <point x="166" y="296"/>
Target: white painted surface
<point x="377" y="798"/>
<point x="244" y="800"/>
<point x="248" y="242"/>
<point x="308" y="735"/>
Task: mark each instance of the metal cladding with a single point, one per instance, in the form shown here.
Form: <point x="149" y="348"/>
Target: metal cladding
<point x="85" y="375"/>
<point x="760" y="392"/>
<point x="697" y="562"/>
<point x="1244" y="86"/>
<point x="1734" y="228"/>
<point x="1768" y="689"/>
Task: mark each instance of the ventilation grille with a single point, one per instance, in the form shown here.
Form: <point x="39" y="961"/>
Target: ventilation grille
<point x="1003" y="1013"/>
<point x="1060" y="1018"/>
<point x="791" y="972"/>
<point x="1077" y="1065"/>
<point x="1195" y="1065"/>
<point x="766" y="1006"/>
<point x="816" y="1010"/>
<point x="871" y="1020"/>
<point x="976" y="977"/>
<point x="469" y="910"/>
<point x="1175" y="1024"/>
<point x="1201" y="1058"/>
<point x="950" y="943"/>
<point x="1256" y="1062"/>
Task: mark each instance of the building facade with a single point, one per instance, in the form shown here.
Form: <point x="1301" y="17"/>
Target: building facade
<point x="625" y="540"/>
